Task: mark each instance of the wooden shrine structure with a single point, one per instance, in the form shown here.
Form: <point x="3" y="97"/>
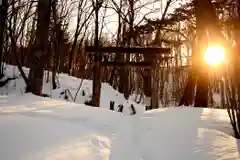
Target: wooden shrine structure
<point x="154" y="53"/>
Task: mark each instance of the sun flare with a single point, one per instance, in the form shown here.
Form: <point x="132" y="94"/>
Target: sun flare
<point x="214" y="55"/>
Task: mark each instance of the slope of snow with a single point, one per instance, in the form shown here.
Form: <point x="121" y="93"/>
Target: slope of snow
<point x="72" y="84"/>
<point x="41" y="128"/>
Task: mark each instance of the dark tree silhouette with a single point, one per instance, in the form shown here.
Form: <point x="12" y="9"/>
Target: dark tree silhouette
<point x="35" y="77"/>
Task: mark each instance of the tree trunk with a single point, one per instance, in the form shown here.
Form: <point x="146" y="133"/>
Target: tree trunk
<point x="147" y="81"/>
<point x="57" y="39"/>
<point x="124" y="78"/>
<point x="97" y="67"/>
<point x="201" y="99"/>
<point x="118" y="56"/>
<point x="122" y="71"/>
<point x="188" y="94"/>
<point x="3" y="17"/>
<point x="204" y="19"/>
<point x="36" y="72"/>
<point x="71" y="57"/>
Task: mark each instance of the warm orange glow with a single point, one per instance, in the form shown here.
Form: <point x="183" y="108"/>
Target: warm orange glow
<point x="214" y="55"/>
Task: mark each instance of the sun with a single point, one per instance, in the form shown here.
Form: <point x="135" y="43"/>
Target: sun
<point x="214" y="55"/>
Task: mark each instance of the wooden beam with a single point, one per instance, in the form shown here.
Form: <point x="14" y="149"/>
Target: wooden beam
<point x="128" y="64"/>
<point x="129" y="50"/>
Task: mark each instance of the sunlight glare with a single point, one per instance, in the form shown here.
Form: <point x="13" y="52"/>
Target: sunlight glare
<point x="214" y="55"/>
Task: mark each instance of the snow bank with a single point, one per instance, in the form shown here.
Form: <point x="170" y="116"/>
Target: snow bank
<point x="41" y="128"/>
<point x="71" y="84"/>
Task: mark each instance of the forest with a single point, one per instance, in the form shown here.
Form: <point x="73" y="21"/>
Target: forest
<point x="151" y="49"/>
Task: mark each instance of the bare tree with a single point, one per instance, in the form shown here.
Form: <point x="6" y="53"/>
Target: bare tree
<point x="35" y="77"/>
<point x="83" y="18"/>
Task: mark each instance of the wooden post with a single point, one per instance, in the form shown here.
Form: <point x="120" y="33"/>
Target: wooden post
<point x="120" y="108"/>
<point x="112" y="105"/>
<point x="154" y="84"/>
<point x="133" y="110"/>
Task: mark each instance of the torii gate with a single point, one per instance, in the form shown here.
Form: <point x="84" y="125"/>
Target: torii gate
<point x="132" y="50"/>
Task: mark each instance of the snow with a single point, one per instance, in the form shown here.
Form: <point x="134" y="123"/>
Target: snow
<point x="217" y="99"/>
<point x="51" y="129"/>
<point x="39" y="128"/>
<point x="72" y="84"/>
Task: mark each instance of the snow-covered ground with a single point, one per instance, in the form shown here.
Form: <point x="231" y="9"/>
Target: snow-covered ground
<point x="34" y="127"/>
<point x="71" y="84"/>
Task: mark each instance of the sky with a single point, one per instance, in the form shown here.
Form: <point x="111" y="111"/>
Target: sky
<point x="110" y="22"/>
